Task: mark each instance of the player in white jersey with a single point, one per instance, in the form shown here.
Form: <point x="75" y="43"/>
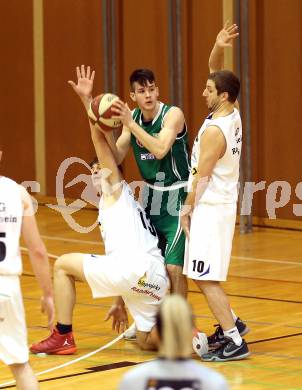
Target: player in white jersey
<point x="131" y="269"/>
<point x="174" y="368"/>
<point x="16" y="218"/>
<point x="209" y="213"/>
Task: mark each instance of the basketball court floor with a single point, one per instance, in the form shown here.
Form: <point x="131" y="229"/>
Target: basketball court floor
<point x="264" y="287"/>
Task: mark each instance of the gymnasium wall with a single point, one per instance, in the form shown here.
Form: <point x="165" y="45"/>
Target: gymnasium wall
<point x="73" y="36"/>
<point x="17" y="93"/>
<point x="276" y="93"/>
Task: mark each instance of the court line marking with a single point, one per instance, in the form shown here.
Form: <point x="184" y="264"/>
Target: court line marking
<point x="91" y="370"/>
<point x="253" y="297"/>
<point x="119" y="337"/>
<point x="54" y="238"/>
<point x="87" y="355"/>
<point x="261" y="260"/>
<point x="275" y="338"/>
<point x="77" y="359"/>
<point x="267" y="260"/>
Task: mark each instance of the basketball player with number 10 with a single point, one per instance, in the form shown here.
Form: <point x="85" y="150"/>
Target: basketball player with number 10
<point x="209" y="213"/>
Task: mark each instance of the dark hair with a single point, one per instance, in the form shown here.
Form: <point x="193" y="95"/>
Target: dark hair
<point x="226" y="81"/>
<point x="141" y="76"/>
<point x="96" y="161"/>
<point x="93" y="162"/>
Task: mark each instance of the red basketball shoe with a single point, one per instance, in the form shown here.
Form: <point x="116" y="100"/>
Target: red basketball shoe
<point x="56" y="344"/>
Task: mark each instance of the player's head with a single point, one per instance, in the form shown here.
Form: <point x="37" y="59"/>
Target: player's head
<point x="144" y="91"/>
<point x="95" y="168"/>
<point x="174" y="325"/>
<point x="222" y="87"/>
<point x="99" y="175"/>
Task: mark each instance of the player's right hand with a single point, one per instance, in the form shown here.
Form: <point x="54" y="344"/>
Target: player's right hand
<point x="226" y="35"/>
<point x="48" y="307"/>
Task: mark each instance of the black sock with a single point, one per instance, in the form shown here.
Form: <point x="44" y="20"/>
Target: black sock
<point x="63" y="329"/>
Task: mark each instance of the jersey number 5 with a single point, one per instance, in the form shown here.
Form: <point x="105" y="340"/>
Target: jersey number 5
<point x="2" y="247"/>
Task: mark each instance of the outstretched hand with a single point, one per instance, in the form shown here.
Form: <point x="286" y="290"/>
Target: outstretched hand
<point x="119" y="318"/>
<point x="226" y="35"/>
<point x="84" y="85"/>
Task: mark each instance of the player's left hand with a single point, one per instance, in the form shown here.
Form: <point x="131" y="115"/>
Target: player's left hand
<point x="122" y="112"/>
<point x="85" y="77"/>
<point x="48" y="307"/>
<point x="119" y="318"/>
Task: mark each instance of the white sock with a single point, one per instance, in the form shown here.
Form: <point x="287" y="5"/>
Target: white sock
<point x="234" y="316"/>
<point x="234" y="335"/>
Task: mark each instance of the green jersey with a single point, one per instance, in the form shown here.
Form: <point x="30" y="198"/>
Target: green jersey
<point x="175" y="165"/>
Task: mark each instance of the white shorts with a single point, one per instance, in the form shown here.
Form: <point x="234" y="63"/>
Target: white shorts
<point x="208" y="252"/>
<point x="142" y="294"/>
<point x="13" y="332"/>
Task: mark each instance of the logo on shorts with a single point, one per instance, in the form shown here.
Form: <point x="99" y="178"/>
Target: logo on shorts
<point x="146" y="292"/>
<point x="142" y="283"/>
<point x="206" y="272"/>
<point x="2" y="207"/>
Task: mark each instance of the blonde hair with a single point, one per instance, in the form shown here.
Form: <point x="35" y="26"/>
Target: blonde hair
<point x="175" y="326"/>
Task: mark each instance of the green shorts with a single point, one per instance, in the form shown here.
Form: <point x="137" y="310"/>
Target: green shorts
<point x="162" y="208"/>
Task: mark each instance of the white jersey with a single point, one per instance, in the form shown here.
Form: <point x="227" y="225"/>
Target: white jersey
<point x="172" y="374"/>
<point x="11" y="213"/>
<point x="125" y="227"/>
<point x="223" y="184"/>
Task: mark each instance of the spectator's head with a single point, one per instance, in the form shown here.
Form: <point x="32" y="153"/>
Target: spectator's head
<point x="175" y="327"/>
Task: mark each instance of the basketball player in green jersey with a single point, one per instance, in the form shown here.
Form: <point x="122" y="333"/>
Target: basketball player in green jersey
<point x="158" y="135"/>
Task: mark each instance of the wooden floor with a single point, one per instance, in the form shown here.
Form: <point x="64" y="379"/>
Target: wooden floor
<point x="264" y="286"/>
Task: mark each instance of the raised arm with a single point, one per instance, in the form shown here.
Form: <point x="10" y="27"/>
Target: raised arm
<point x="110" y="170"/>
<point x="159" y="146"/>
<point x="83" y="88"/>
<point x="120" y="146"/>
<point x="38" y="255"/>
<point x="224" y="39"/>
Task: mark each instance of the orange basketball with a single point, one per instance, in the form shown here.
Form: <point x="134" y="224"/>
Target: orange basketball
<point x="100" y="111"/>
